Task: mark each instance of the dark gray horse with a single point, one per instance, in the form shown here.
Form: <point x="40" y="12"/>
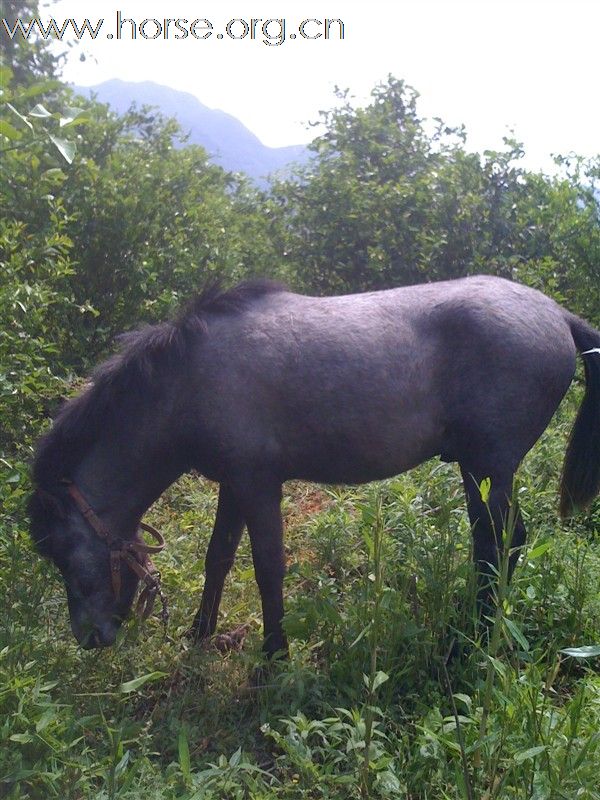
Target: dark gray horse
<point x="257" y="385"/>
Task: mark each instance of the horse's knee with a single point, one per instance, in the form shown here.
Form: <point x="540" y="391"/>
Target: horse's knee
<point x="269" y="580"/>
<point x="217" y="564"/>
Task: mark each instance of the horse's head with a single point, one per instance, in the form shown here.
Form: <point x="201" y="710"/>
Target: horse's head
<point x="100" y="587"/>
<point x="119" y="441"/>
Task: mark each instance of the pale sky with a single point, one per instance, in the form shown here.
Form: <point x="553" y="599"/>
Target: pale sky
<point x="532" y="66"/>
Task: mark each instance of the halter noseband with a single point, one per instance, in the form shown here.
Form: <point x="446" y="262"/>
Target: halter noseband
<point x="134" y="553"/>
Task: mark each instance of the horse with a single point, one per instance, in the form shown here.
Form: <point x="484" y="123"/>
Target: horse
<point x="256" y="385"/>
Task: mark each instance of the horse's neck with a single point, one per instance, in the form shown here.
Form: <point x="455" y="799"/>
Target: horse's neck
<point x="122" y="488"/>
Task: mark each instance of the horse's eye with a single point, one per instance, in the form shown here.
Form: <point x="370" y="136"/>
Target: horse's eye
<point x="81" y="587"/>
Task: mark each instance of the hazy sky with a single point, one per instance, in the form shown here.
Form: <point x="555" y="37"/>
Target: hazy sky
<point x="490" y="64"/>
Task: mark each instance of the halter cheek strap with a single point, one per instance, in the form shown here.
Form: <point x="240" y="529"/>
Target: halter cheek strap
<point x="136" y="554"/>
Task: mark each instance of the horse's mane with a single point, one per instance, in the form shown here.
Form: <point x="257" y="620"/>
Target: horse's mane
<point x="131" y="375"/>
<point x="213" y="299"/>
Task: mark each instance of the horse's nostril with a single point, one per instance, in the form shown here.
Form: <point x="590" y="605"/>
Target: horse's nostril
<point x="105" y="635"/>
<point x="98" y="637"/>
<point x="90" y="641"/>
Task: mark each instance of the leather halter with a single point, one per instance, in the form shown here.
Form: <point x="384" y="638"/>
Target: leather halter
<point x="133" y="552"/>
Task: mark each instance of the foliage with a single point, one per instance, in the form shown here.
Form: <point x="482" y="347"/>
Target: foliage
<point x="110" y="221"/>
<point x="156" y="718"/>
<point x="31" y="61"/>
<point x="153" y="223"/>
<point x="390" y="200"/>
<point x="36" y="265"/>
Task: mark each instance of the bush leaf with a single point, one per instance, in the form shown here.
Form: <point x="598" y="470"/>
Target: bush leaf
<point x="183" y="748"/>
<point x="133" y="685"/>
<point x="587" y="651"/>
<point x="40" y="111"/>
<point x="539" y="550"/>
<point x="66" y="149"/>
<point x="530" y="753"/>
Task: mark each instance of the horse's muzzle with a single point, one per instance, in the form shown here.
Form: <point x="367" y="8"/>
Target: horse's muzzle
<point x="90" y="637"/>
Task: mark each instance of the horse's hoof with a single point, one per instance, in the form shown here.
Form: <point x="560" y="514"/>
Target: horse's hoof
<point x="195" y="636"/>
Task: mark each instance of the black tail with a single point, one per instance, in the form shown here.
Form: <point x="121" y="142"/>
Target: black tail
<point x="581" y="471"/>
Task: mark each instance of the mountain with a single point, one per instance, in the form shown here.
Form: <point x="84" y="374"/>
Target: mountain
<point x="229" y="143"/>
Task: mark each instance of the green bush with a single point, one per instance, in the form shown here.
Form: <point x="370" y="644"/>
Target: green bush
<point x="106" y="223"/>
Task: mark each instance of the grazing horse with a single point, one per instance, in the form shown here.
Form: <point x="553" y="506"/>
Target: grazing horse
<point x="257" y="385"/>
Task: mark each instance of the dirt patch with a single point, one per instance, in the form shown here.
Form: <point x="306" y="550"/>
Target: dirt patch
<point x="304" y="500"/>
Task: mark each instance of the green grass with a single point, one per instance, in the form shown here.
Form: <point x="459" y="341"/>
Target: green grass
<point x="379" y="587"/>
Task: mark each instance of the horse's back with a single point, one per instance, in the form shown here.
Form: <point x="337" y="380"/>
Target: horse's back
<point x="356" y="387"/>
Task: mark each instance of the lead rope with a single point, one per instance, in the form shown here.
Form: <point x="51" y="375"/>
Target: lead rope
<point x="150" y="577"/>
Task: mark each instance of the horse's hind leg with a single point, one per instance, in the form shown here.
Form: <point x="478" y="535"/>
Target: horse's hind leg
<point x="226" y="535"/>
<point x="488" y="522"/>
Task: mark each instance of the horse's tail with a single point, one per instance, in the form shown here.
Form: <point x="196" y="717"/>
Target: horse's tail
<point x="580" y="481"/>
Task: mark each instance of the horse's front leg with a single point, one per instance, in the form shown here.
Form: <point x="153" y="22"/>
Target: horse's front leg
<point x="227" y="532"/>
<point x="261" y="505"/>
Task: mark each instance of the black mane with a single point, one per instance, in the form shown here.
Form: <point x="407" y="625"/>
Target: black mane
<point x="215" y="300"/>
<point x="132" y="374"/>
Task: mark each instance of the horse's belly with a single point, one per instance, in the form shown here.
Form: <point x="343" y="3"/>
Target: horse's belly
<point x="365" y="453"/>
<point x="352" y="473"/>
